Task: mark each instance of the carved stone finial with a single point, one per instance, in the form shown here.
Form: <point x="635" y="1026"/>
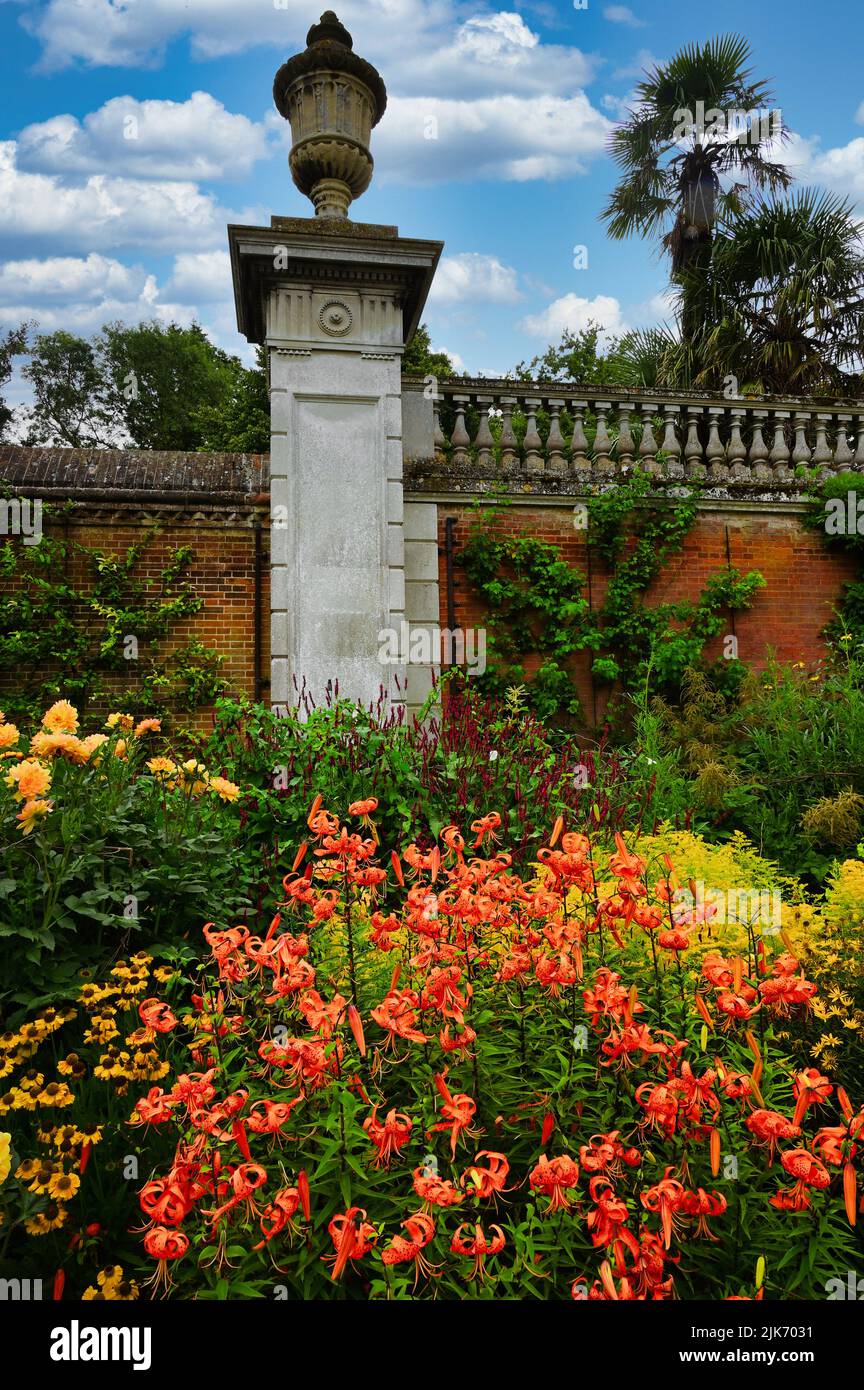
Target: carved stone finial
<point x="332" y="98"/>
<point x="329" y="29"/>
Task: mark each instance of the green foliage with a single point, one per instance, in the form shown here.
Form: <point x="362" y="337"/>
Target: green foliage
<point x="420" y="359"/>
<point x="536" y="603"/>
<point x="66" y="613"/>
<point x="828" y="515"/>
<point x="777" y="759"/>
<point x="781" y="302"/>
<point x="12" y="344"/>
<point x="71" y="404"/>
<point x="238" y="420"/>
<point x="120" y="862"/>
<point x="150" y="386"/>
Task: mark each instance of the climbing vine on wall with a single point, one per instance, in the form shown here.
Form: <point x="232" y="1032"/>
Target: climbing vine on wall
<point x="59" y="637"/>
<point x="537" y="603"/>
<point x="835" y="512"/>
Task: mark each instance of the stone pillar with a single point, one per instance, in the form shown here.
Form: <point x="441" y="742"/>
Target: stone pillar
<point x="335" y="302"/>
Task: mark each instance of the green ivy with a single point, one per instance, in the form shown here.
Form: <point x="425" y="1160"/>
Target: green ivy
<point x="59" y="637"/>
<point x="537" y="605"/>
<point x="828" y="514"/>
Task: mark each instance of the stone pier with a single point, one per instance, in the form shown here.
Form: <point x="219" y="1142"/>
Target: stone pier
<point x="335" y="302"/>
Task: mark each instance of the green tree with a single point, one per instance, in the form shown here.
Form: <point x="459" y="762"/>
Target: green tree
<point x="682" y="176"/>
<point x="239" y="420"/>
<point x="783" y="302"/>
<point x="13" y="344"/>
<point x="420" y="360"/>
<point x="581" y="357"/>
<point x="160" y="377"/>
<point x="71" y="404"/>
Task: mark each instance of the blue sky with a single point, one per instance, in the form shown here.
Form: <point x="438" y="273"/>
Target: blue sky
<point x="133" y="132"/>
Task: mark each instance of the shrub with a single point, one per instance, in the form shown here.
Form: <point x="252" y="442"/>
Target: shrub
<point x="441" y="1080"/>
<point x="103" y="843"/>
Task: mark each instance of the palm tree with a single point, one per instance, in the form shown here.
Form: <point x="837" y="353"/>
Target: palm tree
<point x="686" y="166"/>
<point x="783" y="300"/>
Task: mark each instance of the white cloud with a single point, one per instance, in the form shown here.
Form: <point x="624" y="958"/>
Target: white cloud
<point x="840" y="169"/>
<point x="643" y="62"/>
<point x="104" y="212"/>
<point x="200" y="277"/>
<point x="432" y="140"/>
<point x="193" y="139"/>
<point x="573" y="313"/>
<point x="80" y="294"/>
<point x="618" y="107"/>
<point x="458" y="363"/>
<point x="122" y="34"/>
<point x="497" y="38"/>
<point x="471" y="276"/>
<point x="622" y="14"/>
<point x="419" y="45"/>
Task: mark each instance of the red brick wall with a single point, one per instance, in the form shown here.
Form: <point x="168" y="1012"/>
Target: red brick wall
<point x="221" y="572"/>
<point x="803" y="580"/>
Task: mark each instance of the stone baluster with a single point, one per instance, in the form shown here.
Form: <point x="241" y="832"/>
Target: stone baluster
<point x="603" y="465"/>
<point x="736" y="449"/>
<point x="440" y="443"/>
<point x="801" y="451"/>
<point x="580" y="464"/>
<point x="648" y="444"/>
<point x="822" y="455"/>
<point x="625" y="439"/>
<point x="780" y="454"/>
<point x="556" y="459"/>
<point x="673" y="468"/>
<point x="509" y="444"/>
<point x="715" y="453"/>
<point x="484" y="441"/>
<point x="460" y="439"/>
<point x="858" y="460"/>
<point x="533" y="462"/>
<point x="842" y="453"/>
<point x="759" y="449"/>
<point x="694" y="466"/>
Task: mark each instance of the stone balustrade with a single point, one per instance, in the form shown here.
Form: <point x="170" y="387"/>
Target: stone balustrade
<point x="576" y="438"/>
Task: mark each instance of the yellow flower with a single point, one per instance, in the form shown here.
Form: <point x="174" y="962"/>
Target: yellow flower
<point x="61" y="718"/>
<point x="225" y="790"/>
<point x="31" y="1080"/>
<point x="9" y="735"/>
<point x="147" y="726"/>
<point x="5" y="1156"/>
<point x="72" y="1066"/>
<point x="28" y="780"/>
<point x="162" y="767"/>
<point x="63" y="1186"/>
<point x="50" y="1220"/>
<point x="121" y="721"/>
<point x="47" y="746"/>
<point x="90" y="744"/>
<point x="31" y="811"/>
<point x="56" y="1093"/>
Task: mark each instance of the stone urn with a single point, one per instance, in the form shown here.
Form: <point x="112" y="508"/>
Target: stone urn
<point x="332" y="99"/>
